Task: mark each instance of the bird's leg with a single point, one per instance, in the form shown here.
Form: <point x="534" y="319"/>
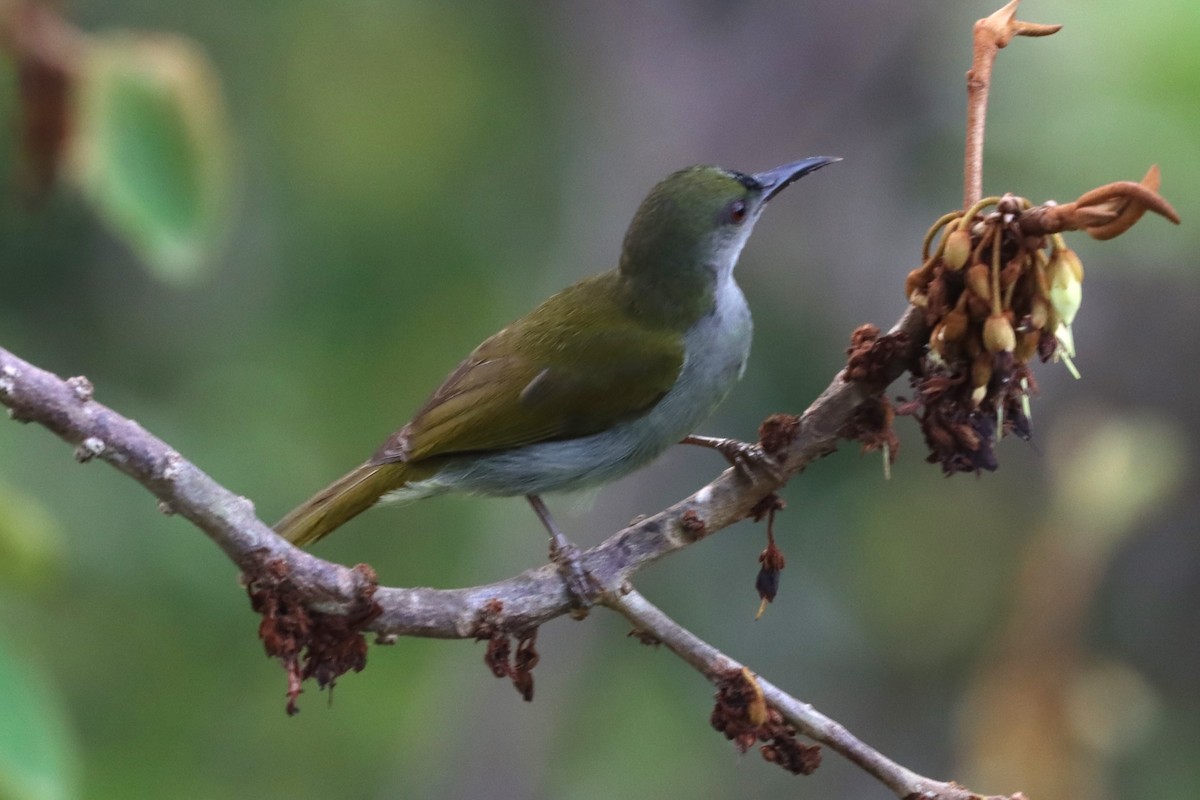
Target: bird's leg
<point x="744" y="457"/>
<point x="580" y="585"/>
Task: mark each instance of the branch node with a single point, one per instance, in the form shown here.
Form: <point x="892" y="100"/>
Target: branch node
<point x="81" y="387"/>
<point x="692" y="525"/>
<point x="8" y="381"/>
<point x="645" y="637"/>
<point x="88" y="449"/>
<point x="172" y="466"/>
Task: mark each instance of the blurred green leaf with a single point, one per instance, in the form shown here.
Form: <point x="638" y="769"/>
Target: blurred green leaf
<point x="38" y="760"/>
<point x="151" y="151"/>
<point x="30" y="540"/>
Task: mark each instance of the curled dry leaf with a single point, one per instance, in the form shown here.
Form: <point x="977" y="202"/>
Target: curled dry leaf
<point x="1104" y="212"/>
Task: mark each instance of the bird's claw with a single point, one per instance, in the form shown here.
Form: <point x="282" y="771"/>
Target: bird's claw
<point x="750" y="460"/>
<point x="581" y="585"/>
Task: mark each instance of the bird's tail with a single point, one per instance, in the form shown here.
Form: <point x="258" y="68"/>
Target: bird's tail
<point x="345" y="498"/>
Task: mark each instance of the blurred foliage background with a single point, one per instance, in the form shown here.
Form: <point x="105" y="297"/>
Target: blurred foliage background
<point x="407" y="176"/>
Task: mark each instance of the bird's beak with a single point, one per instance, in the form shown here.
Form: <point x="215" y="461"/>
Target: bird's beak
<point x="774" y="181"/>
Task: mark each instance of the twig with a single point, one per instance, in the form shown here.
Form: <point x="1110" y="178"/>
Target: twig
<point x="991" y="34"/>
<point x="713" y="664"/>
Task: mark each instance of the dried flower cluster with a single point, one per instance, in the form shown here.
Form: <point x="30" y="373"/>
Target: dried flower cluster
<point x="311" y="644"/>
<point x="743" y="715"/>
<point x="1001" y="289"/>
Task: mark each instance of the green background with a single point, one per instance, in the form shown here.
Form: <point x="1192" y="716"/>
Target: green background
<point x="409" y="176"/>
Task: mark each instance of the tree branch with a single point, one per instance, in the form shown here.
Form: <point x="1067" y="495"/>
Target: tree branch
<point x="520" y="603"/>
<point x="531" y="598"/>
<point x="715" y="666"/>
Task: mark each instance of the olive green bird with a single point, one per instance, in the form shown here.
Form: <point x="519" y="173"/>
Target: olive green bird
<point x="594" y="383"/>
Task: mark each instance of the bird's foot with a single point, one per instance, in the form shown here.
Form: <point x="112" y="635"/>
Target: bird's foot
<point x="581" y="585"/>
<point x="750" y="460"/>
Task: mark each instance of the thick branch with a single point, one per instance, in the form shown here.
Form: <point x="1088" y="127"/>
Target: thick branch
<point x="525" y="600"/>
<point x="67" y="408"/>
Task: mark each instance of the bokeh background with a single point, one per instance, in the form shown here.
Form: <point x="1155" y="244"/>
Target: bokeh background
<point x="409" y="176"/>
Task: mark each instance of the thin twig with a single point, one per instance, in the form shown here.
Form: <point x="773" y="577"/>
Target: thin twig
<point x="991" y="34"/>
<point x="713" y="664"/>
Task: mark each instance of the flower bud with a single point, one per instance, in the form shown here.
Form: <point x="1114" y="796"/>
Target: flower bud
<point x="978" y="308"/>
<point x="1065" y="277"/>
<point x="954" y="325"/>
<point x="1039" y="313"/>
<point x="1011" y="272"/>
<point x="977" y="395"/>
<point x="979" y="281"/>
<point x="1071" y="258"/>
<point x="998" y="334"/>
<point x="957" y="249"/>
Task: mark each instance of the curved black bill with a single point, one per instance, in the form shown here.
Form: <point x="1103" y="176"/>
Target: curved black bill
<point x="774" y="181"/>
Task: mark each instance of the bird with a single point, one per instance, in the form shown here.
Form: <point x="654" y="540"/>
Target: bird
<point x="597" y="381"/>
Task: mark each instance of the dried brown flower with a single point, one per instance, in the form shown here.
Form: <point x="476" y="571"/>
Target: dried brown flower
<point x="743" y="715"/>
<point x="1011" y="298"/>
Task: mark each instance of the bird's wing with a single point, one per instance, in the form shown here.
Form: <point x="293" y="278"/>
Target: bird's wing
<point x="569" y="369"/>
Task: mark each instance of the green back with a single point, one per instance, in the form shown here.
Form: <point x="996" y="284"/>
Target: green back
<point x="576" y="365"/>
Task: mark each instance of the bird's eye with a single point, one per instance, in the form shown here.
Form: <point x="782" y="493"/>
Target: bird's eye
<point x="735" y="212"/>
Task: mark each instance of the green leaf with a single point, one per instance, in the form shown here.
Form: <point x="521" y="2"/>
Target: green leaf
<point x="151" y="148"/>
<point x="38" y="758"/>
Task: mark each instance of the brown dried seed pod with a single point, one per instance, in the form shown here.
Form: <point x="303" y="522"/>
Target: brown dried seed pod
<point x="937" y="300"/>
<point x="978" y="308"/>
<point x="966" y="436"/>
<point x="1027" y="346"/>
